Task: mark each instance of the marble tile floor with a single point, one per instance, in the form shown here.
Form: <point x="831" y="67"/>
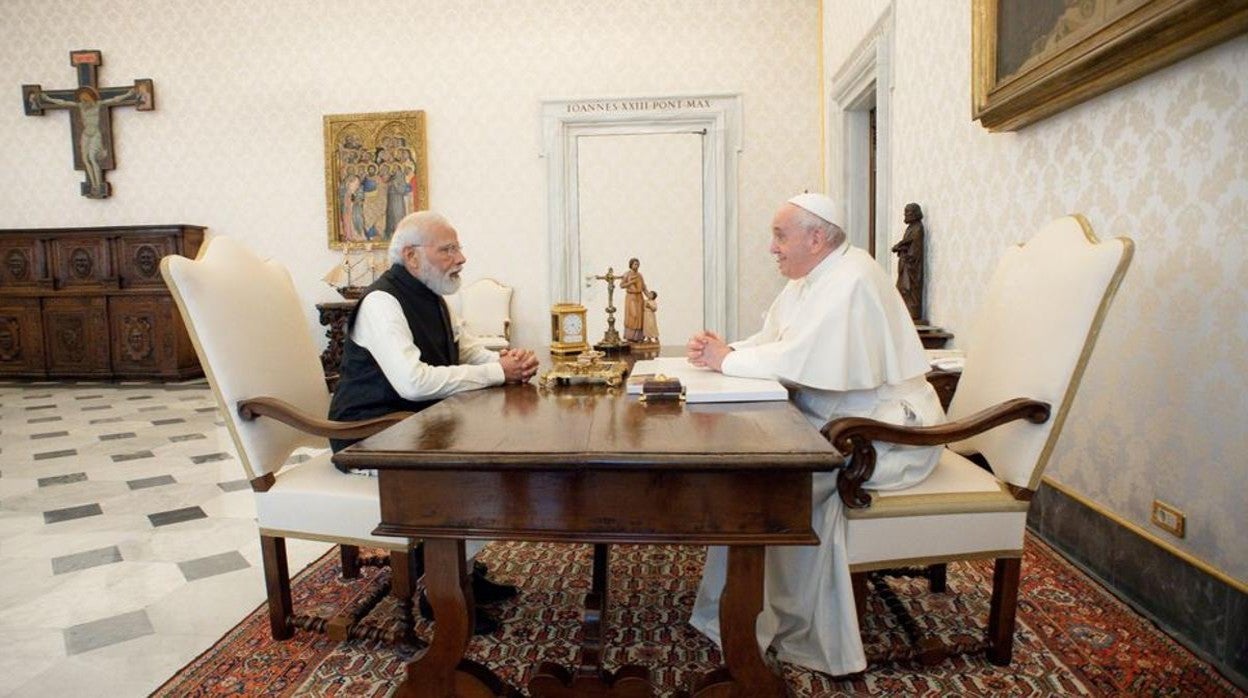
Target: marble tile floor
<point x="128" y="540"/>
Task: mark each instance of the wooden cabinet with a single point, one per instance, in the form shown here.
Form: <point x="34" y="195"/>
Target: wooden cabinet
<point x="90" y="302"/>
<point x="21" y="337"/>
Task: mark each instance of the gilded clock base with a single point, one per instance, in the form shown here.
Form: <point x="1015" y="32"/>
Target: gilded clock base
<point x="565" y="349"/>
<point x="587" y="368"/>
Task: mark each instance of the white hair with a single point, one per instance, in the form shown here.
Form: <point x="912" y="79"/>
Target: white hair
<point x="412" y="231"/>
<point x="831" y="232"/>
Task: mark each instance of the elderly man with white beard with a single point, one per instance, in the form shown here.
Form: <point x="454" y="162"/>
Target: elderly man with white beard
<point x="402" y="352"/>
<point x="840" y="338"/>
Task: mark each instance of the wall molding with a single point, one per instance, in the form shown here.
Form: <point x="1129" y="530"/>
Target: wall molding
<point x="864" y="81"/>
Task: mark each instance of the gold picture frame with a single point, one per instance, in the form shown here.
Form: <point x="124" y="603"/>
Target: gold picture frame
<point x="1033" y="58"/>
<point x="375" y="173"/>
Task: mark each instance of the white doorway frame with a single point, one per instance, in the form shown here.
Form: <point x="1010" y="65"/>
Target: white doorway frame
<point x="865" y="81"/>
<point x="716" y="116"/>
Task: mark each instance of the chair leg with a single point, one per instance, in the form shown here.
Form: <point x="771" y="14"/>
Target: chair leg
<point x="350" y="561"/>
<point x="859" y="583"/>
<point x="404" y="571"/>
<point x="1001" y="612"/>
<point x="277" y="584"/>
<point x="936" y="577"/>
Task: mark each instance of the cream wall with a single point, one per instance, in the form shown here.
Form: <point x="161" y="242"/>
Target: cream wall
<point x="236" y="140"/>
<point x="1164" y="160"/>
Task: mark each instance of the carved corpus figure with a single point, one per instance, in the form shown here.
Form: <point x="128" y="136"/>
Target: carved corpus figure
<point x="89" y="105"/>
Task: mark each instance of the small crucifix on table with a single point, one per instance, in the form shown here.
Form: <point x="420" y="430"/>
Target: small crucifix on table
<point x="91" y="125"/>
<point x="611" y="338"/>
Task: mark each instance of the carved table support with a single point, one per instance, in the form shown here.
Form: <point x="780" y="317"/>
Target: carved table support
<point x="440" y="671"/>
<point x="739" y="607"/>
<point x="590" y="681"/>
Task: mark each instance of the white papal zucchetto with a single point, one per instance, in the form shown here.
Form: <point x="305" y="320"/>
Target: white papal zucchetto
<point x="819" y="204"/>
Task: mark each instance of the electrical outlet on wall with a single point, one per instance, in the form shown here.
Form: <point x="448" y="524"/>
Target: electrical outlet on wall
<point x="1168" y="518"/>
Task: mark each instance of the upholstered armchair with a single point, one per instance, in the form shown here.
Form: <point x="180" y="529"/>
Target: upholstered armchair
<point x="251" y="334"/>
<point x="484" y="310"/>
<point x="1028" y="350"/>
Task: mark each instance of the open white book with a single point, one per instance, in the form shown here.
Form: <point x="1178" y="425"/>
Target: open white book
<point x="703" y="384"/>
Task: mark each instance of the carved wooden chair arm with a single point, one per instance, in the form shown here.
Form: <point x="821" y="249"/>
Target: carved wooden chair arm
<point x="290" y="415"/>
<point x="853" y="436"/>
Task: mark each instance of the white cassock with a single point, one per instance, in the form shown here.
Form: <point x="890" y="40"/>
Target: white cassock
<point x="842" y="341"/>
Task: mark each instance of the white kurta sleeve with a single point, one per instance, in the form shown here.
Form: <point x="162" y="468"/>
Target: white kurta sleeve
<point x="381" y="328"/>
<point x="472" y="349"/>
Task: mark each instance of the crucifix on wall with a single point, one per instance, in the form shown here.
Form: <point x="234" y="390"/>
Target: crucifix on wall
<point x="89" y="108"/>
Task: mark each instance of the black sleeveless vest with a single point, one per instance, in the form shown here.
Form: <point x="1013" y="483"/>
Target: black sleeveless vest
<point x="363" y="390"/>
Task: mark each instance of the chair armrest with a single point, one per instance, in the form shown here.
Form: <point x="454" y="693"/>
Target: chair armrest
<point x="853" y="436"/>
<point x="290" y="415"/>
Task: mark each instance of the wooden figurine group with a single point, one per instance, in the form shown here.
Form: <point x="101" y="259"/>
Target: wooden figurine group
<point x="641" y="327"/>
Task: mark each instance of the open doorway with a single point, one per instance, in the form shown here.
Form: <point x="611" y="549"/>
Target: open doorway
<point x="641" y="197"/>
<point x="862" y="92"/>
<point x="715" y="121"/>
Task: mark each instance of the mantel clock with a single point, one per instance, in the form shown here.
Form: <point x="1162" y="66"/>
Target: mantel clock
<point x="567" y="329"/>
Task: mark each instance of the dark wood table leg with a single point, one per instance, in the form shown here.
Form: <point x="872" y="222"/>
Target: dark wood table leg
<point x="590" y="681"/>
<point x="596" y="610"/>
<point x="442" y="671"/>
<point x="746" y="674"/>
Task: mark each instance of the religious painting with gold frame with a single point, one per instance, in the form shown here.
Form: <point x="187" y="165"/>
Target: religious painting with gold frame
<point x="1033" y="58"/>
<point x="375" y="173"/>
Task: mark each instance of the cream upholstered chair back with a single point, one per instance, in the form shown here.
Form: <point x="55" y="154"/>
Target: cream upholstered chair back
<point x="250" y="332"/>
<point x="1042" y="312"/>
<point x="485" y="308"/>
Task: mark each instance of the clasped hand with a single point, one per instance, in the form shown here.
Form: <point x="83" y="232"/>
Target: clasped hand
<point x="707" y="350"/>
<point x="519" y="365"/>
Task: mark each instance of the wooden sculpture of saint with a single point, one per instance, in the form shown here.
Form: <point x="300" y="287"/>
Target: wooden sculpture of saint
<point x="910" y="262"/>
<point x="635" y="294"/>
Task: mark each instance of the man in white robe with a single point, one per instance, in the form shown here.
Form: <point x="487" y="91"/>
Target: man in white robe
<point x="840" y="338"/>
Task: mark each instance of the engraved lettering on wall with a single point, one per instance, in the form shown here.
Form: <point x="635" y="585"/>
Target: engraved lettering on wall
<point x="638" y="105"/>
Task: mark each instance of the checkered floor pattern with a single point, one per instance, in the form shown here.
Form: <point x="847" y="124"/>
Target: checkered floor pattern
<point x="128" y="539"/>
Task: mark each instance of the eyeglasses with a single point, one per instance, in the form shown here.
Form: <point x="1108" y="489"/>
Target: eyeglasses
<point x="449" y="250"/>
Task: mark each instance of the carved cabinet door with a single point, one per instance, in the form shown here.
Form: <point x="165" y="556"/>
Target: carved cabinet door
<point x="21" y="337"/>
<point x="76" y="336"/>
<point x="143" y="335"/>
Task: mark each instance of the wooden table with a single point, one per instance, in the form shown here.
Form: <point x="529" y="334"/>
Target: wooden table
<point x="584" y="463"/>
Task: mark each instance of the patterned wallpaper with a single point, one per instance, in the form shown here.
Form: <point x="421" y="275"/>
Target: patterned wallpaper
<point x="235" y="142"/>
<point x="1163" y="160"/>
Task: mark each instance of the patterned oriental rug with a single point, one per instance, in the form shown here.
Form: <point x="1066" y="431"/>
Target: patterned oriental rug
<point x="1073" y="637"/>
